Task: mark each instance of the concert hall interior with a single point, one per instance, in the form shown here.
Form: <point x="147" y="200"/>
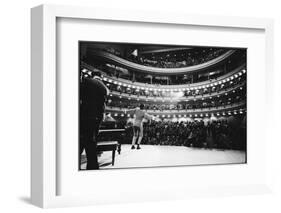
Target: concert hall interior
<point x="190" y="102"/>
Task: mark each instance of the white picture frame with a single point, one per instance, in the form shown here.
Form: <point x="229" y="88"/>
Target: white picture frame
<point x="44" y="103"/>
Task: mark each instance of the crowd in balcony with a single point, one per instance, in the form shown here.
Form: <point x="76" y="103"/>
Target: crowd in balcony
<point x="187" y="93"/>
<point x="221" y="101"/>
<point x="117" y="72"/>
<point x="123" y="73"/>
<point x="179" y="60"/>
<point x="174" y="59"/>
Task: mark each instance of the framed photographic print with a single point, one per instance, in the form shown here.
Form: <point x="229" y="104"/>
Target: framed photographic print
<point x="152" y="106"/>
<point x="176" y="105"/>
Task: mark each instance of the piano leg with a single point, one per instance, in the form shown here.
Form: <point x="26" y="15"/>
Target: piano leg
<point x="113" y="157"/>
<point x="119" y="148"/>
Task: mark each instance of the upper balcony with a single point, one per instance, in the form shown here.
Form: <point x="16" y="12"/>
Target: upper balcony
<point x="239" y="71"/>
<point x="112" y="58"/>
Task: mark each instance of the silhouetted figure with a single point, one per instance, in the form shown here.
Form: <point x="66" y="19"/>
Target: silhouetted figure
<point x="93" y="96"/>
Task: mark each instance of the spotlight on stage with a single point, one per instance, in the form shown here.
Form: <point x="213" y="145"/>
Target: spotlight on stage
<point x="177" y="95"/>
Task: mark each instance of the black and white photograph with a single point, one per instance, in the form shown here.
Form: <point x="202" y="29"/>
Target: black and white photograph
<point x="161" y="105"/>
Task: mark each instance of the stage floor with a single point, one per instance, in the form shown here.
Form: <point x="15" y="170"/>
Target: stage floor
<point x="155" y="156"/>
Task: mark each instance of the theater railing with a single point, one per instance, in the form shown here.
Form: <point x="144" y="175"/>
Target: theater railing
<point x="170" y="98"/>
<point x="125" y="82"/>
<point x="147" y="69"/>
<point x="236" y="106"/>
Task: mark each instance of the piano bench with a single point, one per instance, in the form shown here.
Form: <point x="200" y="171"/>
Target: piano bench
<point x="104" y="146"/>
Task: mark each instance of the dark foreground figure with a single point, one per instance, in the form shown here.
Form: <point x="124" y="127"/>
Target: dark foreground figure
<point x="93" y="96"/>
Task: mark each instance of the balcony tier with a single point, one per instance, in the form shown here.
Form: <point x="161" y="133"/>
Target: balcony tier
<point x="161" y="71"/>
<point x="237" y="107"/>
<point x="209" y="83"/>
<point x="169" y="99"/>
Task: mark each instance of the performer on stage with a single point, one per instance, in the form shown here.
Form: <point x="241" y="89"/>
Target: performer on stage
<point x="93" y="96"/>
<point x="140" y="115"/>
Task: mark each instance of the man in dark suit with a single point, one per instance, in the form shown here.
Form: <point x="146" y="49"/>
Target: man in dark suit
<point x="93" y="97"/>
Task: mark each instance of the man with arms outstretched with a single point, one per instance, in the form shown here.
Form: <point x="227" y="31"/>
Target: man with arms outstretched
<point x="139" y="114"/>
